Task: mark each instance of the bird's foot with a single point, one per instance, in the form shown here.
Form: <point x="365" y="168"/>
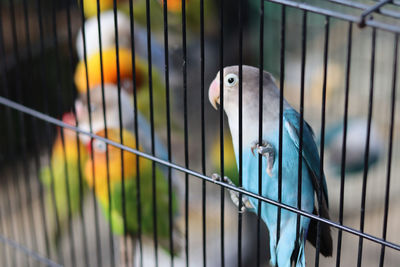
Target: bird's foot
<point x="266" y="150"/>
<point x="235" y="196"/>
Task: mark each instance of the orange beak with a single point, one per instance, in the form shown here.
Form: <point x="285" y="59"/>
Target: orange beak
<point x="89" y="146"/>
<point x="214" y="92"/>
<point x="69" y="118"/>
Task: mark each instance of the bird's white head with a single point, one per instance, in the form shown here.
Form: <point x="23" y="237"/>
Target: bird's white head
<point x="93" y="112"/>
<point x="250" y="80"/>
<point x="250" y="84"/>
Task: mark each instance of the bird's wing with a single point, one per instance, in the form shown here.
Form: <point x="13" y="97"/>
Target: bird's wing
<point x="310" y="151"/>
<point x="311" y="156"/>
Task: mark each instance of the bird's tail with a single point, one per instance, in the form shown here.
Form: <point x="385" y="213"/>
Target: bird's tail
<point x="290" y="249"/>
<point x="298" y="254"/>
<point x="301" y="259"/>
<point x="326" y="238"/>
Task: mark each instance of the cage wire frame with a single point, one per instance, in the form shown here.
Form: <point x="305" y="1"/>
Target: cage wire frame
<point x="363" y="20"/>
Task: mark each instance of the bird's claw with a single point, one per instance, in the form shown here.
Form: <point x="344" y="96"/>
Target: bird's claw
<point x="246" y="204"/>
<point x="266" y="150"/>
<point x="217" y="178"/>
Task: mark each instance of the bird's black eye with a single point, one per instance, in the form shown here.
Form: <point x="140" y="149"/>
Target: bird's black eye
<point x="231" y="80"/>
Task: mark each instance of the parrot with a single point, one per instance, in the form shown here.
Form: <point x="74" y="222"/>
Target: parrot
<point x="192" y="8"/>
<point x="109" y="67"/>
<point x="110" y="77"/>
<point x="90" y="6"/>
<point x="128" y="123"/>
<point x="173" y="5"/>
<point x="96" y="110"/>
<point x="112" y="115"/>
<point x="139" y="10"/>
<point x="230" y="168"/>
<point x="290" y="247"/>
<point x="174" y="8"/>
<point x="105" y="198"/>
<point x="74" y="168"/>
<point x="355" y="145"/>
<point x="156" y="13"/>
<point x="107" y="25"/>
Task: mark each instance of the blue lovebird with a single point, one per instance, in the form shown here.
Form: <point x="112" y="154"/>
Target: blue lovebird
<point x="290" y="247"/>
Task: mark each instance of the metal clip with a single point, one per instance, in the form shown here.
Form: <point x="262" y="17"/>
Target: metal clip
<point x="368" y="11"/>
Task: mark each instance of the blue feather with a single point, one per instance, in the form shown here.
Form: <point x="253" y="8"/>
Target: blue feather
<point x="289" y="247"/>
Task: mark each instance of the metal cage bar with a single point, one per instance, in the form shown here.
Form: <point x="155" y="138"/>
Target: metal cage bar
<point x="23" y="182"/>
<point x="6" y="102"/>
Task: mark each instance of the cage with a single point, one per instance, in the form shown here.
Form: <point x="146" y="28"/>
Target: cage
<point x="109" y="144"/>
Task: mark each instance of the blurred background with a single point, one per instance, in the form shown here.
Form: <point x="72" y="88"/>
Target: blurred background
<point x="37" y="65"/>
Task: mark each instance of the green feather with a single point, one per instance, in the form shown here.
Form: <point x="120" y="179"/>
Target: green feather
<point x="58" y="204"/>
<point x="146" y="205"/>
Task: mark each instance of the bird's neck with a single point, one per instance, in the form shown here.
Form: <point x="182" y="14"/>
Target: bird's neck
<point x="249" y="130"/>
<point x="250" y="127"/>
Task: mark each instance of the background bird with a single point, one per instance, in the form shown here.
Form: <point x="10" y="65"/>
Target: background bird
<point x="173" y="5"/>
<point x="110" y="76"/>
<point x="112" y="108"/>
<point x="108" y="33"/>
<point x="290" y="245"/>
<point x="120" y="175"/>
<point x="108" y="37"/>
<point x="94" y="110"/>
<point x="90" y="6"/>
<point x="355" y="145"/>
<point x="65" y="176"/>
<point x="90" y="115"/>
<point x="106" y="68"/>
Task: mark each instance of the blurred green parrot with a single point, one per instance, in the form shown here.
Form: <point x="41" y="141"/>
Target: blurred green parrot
<point x="67" y="163"/>
<point x="114" y="214"/>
